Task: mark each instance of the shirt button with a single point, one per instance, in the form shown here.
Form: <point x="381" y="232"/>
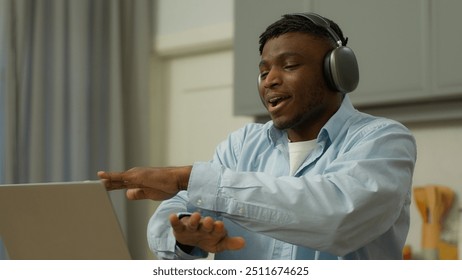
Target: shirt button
<point x="199" y="202"/>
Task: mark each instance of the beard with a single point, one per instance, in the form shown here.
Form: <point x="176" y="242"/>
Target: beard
<point x="310" y="109"/>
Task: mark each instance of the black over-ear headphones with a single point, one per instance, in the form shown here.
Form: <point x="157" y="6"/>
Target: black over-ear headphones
<point x="340" y="65"/>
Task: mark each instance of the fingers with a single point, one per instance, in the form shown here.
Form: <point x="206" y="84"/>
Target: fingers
<point x="217" y="228"/>
<point x="111" y="176"/>
<point x="176" y="224"/>
<point x="193" y="222"/>
<point x="208" y="224"/>
<point x="122" y="180"/>
<point x="113" y="180"/>
<point x="190" y="223"/>
<point x="135" y="194"/>
<point x="231" y="243"/>
<point x="206" y="233"/>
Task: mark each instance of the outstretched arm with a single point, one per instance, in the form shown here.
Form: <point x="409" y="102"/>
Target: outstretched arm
<point x="148" y="182"/>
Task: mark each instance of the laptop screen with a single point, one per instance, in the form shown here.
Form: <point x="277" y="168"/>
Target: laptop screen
<point x="55" y="221"/>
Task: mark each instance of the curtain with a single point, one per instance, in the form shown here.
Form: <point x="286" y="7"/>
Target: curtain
<point x="74" y="88"/>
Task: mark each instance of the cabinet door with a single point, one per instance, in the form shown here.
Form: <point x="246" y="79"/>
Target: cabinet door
<point x="446" y="47"/>
<point x="390" y="41"/>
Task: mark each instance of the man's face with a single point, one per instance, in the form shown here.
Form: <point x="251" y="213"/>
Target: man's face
<point x="292" y="86"/>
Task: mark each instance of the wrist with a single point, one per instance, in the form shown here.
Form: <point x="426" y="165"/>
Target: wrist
<point x="183" y="177"/>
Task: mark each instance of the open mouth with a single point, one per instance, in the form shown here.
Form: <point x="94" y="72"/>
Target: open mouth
<point x="274" y="101"/>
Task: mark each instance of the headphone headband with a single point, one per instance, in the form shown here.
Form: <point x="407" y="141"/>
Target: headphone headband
<point x="322" y="22"/>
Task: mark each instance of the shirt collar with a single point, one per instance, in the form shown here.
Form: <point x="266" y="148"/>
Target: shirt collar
<point x="335" y="124"/>
<point x="330" y="130"/>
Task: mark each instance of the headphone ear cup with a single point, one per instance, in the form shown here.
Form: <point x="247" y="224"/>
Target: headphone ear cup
<point x="341" y="69"/>
<point x="328" y="72"/>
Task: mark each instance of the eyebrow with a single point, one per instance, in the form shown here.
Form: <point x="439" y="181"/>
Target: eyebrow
<point x="281" y="56"/>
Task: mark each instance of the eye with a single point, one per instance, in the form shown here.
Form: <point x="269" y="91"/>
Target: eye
<point x="263" y="75"/>
<point x="291" y="66"/>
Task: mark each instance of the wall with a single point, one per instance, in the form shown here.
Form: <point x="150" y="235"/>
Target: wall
<point x="178" y="16"/>
<point x="438" y="142"/>
<point x="438" y="162"/>
<point x="192" y="83"/>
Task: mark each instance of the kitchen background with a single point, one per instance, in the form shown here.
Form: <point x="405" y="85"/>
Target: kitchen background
<point x="202" y="85"/>
<point x="410" y="71"/>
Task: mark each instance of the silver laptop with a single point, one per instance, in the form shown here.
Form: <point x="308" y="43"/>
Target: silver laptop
<point x="60" y="221"/>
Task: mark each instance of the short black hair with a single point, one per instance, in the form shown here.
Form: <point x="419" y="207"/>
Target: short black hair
<point x="296" y="23"/>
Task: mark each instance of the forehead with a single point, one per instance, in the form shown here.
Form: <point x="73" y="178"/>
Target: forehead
<point x="295" y="43"/>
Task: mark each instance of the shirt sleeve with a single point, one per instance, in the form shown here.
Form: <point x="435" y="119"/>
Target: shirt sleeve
<point x="160" y="235"/>
<point x="357" y="197"/>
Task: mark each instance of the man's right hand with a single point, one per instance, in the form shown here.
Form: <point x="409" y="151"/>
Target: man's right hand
<point x="205" y="233"/>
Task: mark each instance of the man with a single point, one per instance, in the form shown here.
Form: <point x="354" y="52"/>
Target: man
<point x="319" y="181"/>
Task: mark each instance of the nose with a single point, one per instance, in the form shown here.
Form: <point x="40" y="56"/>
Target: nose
<point x="272" y="79"/>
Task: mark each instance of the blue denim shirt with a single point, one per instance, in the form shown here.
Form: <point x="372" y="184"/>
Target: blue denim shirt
<point x="349" y="200"/>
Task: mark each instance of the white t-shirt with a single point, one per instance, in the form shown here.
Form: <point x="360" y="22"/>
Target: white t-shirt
<point x="298" y="152"/>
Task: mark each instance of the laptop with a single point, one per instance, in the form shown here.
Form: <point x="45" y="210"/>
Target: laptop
<point x="60" y="221"/>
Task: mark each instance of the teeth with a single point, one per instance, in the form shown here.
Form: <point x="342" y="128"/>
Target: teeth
<point x="275" y="100"/>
